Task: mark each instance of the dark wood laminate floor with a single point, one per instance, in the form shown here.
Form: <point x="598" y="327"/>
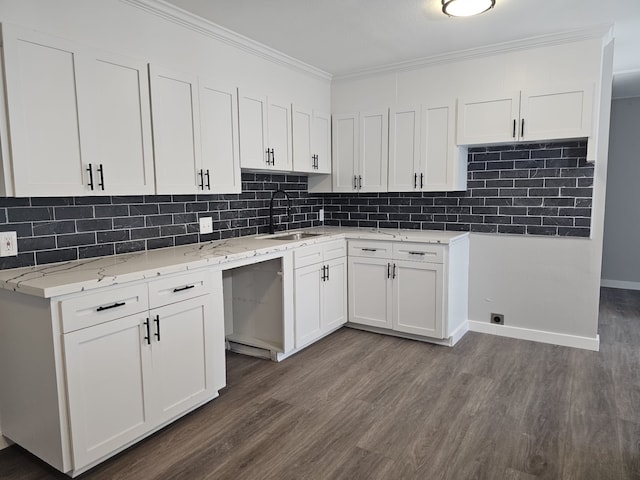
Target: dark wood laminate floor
<point x="363" y="406"/>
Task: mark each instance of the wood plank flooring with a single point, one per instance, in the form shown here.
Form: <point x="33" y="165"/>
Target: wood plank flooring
<point x="358" y="405"/>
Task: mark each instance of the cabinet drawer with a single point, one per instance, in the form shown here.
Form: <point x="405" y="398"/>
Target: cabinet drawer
<point x="92" y="309"/>
<point x="418" y="252"/>
<point x="337" y="249"/>
<point x="305" y="256"/>
<point x="368" y="248"/>
<point x="178" y="287"/>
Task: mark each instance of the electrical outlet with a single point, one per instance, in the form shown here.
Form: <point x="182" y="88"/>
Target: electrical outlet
<point x="8" y="244"/>
<point x="321" y="215"/>
<point x="497" y="318"/>
<point x="206" y="225"/>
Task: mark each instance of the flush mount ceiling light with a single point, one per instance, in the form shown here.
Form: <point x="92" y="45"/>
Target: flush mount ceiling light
<point x="466" y="8"/>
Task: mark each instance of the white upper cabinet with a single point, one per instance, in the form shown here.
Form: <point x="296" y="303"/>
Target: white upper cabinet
<point x="526" y="116"/>
<point x="311" y="141"/>
<point x="265" y="132"/>
<point x="122" y="162"/>
<point x="219" y="137"/>
<point x="176" y="136"/>
<point x="47" y="114"/>
<point x="422" y="151"/>
<point x="360" y="151"/>
<point x="79" y="119"/>
<point x="195" y="134"/>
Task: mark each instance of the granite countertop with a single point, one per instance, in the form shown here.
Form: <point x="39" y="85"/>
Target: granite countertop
<point x="79" y="275"/>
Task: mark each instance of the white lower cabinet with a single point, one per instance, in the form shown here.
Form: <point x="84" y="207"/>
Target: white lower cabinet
<point x="412" y="288"/>
<point x="320" y="291"/>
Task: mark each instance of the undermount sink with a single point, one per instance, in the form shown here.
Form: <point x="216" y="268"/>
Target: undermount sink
<point x="290" y="236"/>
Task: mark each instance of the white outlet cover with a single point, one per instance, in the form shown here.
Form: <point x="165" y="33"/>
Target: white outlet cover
<point x="206" y="225"/>
<point x="8" y="244"/>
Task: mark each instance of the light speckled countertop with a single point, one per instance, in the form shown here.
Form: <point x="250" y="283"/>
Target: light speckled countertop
<point x="79" y="275"/>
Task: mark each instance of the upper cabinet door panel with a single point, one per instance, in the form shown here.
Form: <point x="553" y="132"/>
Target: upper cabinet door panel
<point x="219" y="136"/>
<point x="374" y="151"/>
<point x="404" y="149"/>
<point x="302" y="137"/>
<point x="175" y="133"/>
<point x="488" y="119"/>
<point x="253" y="129"/>
<point x="345" y="152"/>
<point x="438" y="142"/>
<point x="279" y="128"/>
<point x="122" y="119"/>
<point x="563" y="113"/>
<point x="321" y="141"/>
<point x="45" y="110"/>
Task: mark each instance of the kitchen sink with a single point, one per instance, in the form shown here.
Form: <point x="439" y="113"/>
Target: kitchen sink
<point x="290" y="236"/>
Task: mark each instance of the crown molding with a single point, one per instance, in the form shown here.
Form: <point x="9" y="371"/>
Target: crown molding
<point x="598" y="32"/>
<point x="197" y="24"/>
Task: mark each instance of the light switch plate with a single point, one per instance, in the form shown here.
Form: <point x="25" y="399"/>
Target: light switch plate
<point x="206" y="225"/>
<point x="8" y="244"/>
<point x="321" y="215"/>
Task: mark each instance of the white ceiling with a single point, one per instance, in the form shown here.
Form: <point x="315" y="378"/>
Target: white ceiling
<point x="345" y="36"/>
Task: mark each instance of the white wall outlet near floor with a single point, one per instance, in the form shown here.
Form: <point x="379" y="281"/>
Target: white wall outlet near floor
<point x="206" y="225"/>
<point x="321" y="215"/>
<point x="8" y="244"/>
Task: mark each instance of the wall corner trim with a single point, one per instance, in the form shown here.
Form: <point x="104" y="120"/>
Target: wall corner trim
<point x="193" y="22"/>
<point x="562" y="339"/>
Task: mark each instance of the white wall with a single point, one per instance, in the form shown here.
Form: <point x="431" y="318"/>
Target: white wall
<point x="116" y="26"/>
<point x="620" y="258"/>
<point x="547" y="288"/>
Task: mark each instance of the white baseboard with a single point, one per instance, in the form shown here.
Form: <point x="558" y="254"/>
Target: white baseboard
<point x="623" y="284"/>
<point x="4" y="443"/>
<point x="458" y="333"/>
<point x="586" y="343"/>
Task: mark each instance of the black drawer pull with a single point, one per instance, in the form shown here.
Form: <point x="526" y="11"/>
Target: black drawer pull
<point x="417" y="253"/>
<point x="369" y="249"/>
<point x="182" y="289"/>
<point x="108" y="307"/>
<point x="157" y="322"/>
<point x="148" y="337"/>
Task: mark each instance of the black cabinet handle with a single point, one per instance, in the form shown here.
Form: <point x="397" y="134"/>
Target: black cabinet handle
<point x="201" y="175"/>
<point x="514" y="128"/>
<point x="108" y="307"/>
<point x="416" y="253"/>
<point x="369" y="249"/>
<point x="359" y="182"/>
<point x="148" y="329"/>
<point x="394" y="271"/>
<point x="421" y="180"/>
<point x="355" y="182"/>
<point x="208" y="180"/>
<point x="388" y="270"/>
<point x="415" y="180"/>
<point x="327" y="273"/>
<point x="90" y="170"/>
<point x="101" y="170"/>
<point x="324" y="273"/>
<point x="182" y="289"/>
<point x="157" y="322"/>
<point x="522" y="129"/>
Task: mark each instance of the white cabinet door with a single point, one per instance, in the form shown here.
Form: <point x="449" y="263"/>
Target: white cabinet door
<point x="321" y="142"/>
<point x="219" y="137"/>
<point x="417" y="298"/>
<point x="488" y="119"/>
<point x="252" y="111"/>
<point x="438" y="155"/>
<point x="302" y="140"/>
<point x="121" y="153"/>
<point x="183" y="345"/>
<point x="345" y="152"/>
<point x="279" y="134"/>
<point x="47" y="113"/>
<point x="370" y="292"/>
<point x="374" y="151"/>
<point x="334" y="300"/>
<point x="308" y="304"/>
<point x="176" y="133"/>
<point x="108" y="370"/>
<point x="404" y="149"/>
<point x="562" y="113"/>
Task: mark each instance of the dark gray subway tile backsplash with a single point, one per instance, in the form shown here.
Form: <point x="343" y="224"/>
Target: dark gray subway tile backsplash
<point x="532" y="189"/>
